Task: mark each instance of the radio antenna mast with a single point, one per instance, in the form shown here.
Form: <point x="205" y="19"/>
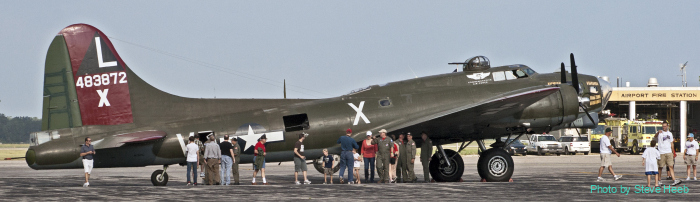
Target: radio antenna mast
<point x="684" y="84"/>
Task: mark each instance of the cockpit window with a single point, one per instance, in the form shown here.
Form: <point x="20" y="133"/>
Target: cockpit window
<point x="529" y="71"/>
<point x="519" y="73"/>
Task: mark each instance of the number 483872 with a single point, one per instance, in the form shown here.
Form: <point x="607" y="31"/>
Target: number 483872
<point x="101" y="79"/>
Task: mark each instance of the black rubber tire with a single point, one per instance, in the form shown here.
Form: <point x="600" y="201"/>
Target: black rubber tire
<point x="558" y="154"/>
<point x="336" y="167"/>
<point x="539" y="151"/>
<point x="451" y="174"/>
<point x="495" y="166"/>
<point x="585" y="153"/>
<point x="635" y="148"/>
<point x="154" y="178"/>
<point x="525" y="154"/>
<point x="566" y="150"/>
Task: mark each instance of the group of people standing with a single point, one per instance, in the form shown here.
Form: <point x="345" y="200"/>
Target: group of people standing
<point x="210" y="155"/>
<point x="661" y="154"/>
<point x="394" y="158"/>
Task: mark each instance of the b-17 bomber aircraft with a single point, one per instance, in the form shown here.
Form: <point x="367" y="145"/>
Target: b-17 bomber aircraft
<point x="89" y="91"/>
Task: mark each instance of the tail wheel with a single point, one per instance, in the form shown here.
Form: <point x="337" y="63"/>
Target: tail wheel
<point x="158" y="178"/>
<point x="441" y="172"/>
<point x="318" y="164"/>
<point x="495" y="165"/>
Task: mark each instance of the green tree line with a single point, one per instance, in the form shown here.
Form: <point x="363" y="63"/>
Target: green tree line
<point x="17" y="129"/>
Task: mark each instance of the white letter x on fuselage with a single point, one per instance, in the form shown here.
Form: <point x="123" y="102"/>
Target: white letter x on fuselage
<point x="359" y="113"/>
<point x="103" y="98"/>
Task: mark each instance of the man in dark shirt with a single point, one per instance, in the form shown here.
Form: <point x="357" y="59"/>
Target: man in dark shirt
<point x="300" y="160"/>
<point x="346" y="159"/>
<point x="226" y="161"/>
<point x="87" y="151"/>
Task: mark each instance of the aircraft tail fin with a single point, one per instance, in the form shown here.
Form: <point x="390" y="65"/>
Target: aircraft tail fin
<point x="85" y="81"/>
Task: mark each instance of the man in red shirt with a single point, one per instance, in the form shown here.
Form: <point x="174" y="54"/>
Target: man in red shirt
<point x="260" y="152"/>
<point x="368" y="153"/>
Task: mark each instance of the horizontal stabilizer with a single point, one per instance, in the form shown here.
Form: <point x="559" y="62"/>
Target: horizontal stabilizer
<point x="129" y="138"/>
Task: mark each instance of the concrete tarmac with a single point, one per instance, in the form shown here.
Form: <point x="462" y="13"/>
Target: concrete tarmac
<point x="536" y="178"/>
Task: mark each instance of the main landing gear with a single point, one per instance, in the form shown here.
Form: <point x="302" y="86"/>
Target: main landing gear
<point x="160" y="177"/>
<point x="319" y="164"/>
<point x="494" y="165"/>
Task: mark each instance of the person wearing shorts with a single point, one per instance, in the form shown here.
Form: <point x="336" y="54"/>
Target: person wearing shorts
<point x="691" y="156"/>
<point x="259" y="158"/>
<point x="327" y="166"/>
<point x="300" y="160"/>
<point x="649" y="161"/>
<point x="356" y="166"/>
<point x="87" y="151"/>
<point x="664" y="140"/>
<point x="606" y="150"/>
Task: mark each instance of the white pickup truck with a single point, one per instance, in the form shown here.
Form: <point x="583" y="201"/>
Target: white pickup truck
<point x="542" y="144"/>
<point x="575" y="144"/>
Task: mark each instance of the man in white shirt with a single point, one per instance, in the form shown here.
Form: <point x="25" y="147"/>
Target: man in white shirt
<point x="192" y="160"/>
<point x="605" y="151"/>
<point x="665" y="145"/>
<point x="691" y="156"/>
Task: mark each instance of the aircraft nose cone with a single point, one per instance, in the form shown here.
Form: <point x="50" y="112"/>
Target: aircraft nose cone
<point x="30" y="158"/>
<point x="605" y="91"/>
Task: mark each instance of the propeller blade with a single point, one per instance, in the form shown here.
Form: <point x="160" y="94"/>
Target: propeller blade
<point x="563" y="74"/>
<point x="574" y="74"/>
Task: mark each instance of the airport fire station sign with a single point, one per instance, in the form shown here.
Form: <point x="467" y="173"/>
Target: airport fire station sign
<point x="651" y="94"/>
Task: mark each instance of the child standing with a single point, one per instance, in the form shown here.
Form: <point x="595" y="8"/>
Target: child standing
<point x="356" y="167"/>
<point x="691" y="156"/>
<point x="327" y="166"/>
<point x="649" y="159"/>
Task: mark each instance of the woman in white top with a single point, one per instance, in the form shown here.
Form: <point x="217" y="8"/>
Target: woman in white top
<point x="192" y="161"/>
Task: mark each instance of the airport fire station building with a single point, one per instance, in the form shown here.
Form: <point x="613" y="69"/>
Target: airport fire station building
<point x="673" y="104"/>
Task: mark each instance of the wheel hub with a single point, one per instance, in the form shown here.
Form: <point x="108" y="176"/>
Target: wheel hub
<point x="160" y="178"/>
<point x="497" y="166"/>
<point x="448" y="170"/>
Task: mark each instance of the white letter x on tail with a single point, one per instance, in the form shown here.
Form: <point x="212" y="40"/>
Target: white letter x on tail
<point x="103" y="98"/>
<point x="359" y="113"/>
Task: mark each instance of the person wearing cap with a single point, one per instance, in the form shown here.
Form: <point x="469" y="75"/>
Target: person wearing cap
<point x="212" y="155"/>
<point x="410" y="158"/>
<point x="426" y="150"/>
<point x="236" y="159"/>
<point x="369" y="152"/>
<point x="691" y="156"/>
<point x="300" y="160"/>
<point x="384" y="145"/>
<point x="605" y="152"/>
<point x="664" y="138"/>
<point x="259" y="159"/>
<point x="346" y="158"/>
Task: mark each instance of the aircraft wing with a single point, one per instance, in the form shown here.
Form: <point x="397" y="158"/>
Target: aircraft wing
<point x="128" y="138"/>
<point x="489" y="110"/>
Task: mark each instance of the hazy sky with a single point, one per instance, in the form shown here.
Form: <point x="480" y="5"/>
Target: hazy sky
<point x="328" y="48"/>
